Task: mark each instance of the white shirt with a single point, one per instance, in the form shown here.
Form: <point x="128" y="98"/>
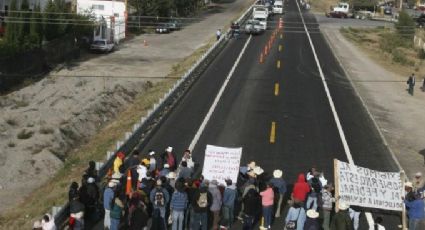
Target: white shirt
<point x="141" y="170"/>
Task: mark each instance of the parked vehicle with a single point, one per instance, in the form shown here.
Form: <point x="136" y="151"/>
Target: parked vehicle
<point x="420" y="21"/>
<point x="102" y="45"/>
<point x="174" y="25"/>
<point x="339" y="11"/>
<point x="356" y="9"/>
<point x="163" y="28"/>
<point x="253" y="26"/>
<point x="261" y="13"/>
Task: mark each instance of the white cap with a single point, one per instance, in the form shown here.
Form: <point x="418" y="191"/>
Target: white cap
<point x="311" y="213"/>
<point x="171" y="175"/>
<point x="90" y="180"/>
<point x="418" y="174"/>
<point x="277" y="173"/>
<point x="166" y="166"/>
<point x="169" y="149"/>
<point x="151" y="153"/>
<point x="408" y="184"/>
<point x="258" y="170"/>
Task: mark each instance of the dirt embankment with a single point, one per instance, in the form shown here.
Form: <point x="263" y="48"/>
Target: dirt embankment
<point x="41" y="123"/>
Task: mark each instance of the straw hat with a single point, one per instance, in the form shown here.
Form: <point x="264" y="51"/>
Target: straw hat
<point x="277" y="173"/>
<point x="166" y="166"/>
<point x="258" y="170"/>
<point x="151" y="153"/>
<point x="171" y="175"/>
<point x="311" y="213"/>
<point x="408" y="184"/>
<point x="169" y="149"/>
<point x="343" y="205"/>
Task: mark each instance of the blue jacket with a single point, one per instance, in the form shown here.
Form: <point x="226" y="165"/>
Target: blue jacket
<point x="229" y="196"/>
<point x="164" y="191"/>
<point x="108" y="195"/>
<point x="179" y="201"/>
<point x="280" y="184"/>
<point x="415" y="209"/>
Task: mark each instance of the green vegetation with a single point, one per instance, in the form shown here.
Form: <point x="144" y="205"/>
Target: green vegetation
<point x="26" y="29"/>
<point x="405" y="26"/>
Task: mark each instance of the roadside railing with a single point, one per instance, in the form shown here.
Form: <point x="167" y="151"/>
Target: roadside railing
<point x="146" y="127"/>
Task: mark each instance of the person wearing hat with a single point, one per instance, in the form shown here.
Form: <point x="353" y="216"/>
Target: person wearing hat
<point x="141" y="170"/>
<point x="118" y="162"/>
<point x="415" y="210"/>
<point x="418" y="183"/>
<point x="178" y="205"/>
<point x="93" y="196"/>
<point x="312" y="221"/>
<point x="279" y="185"/>
<point x="169" y="158"/>
<point x="48" y="222"/>
<point x="341" y="220"/>
<point x="108" y="195"/>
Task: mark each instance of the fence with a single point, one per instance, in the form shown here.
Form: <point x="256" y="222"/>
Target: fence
<point x="144" y="130"/>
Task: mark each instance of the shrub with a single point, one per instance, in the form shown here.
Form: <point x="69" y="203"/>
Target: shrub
<point x="391" y="41"/>
<point x="45" y="130"/>
<point x="400" y="57"/>
<point x="405" y="26"/>
<point x="24" y="134"/>
<point x="421" y="54"/>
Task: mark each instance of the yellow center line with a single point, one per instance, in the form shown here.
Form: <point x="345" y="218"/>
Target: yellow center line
<point x="273" y="133"/>
<point x="280" y="48"/>
<point x="276" y="89"/>
<point x="278" y="64"/>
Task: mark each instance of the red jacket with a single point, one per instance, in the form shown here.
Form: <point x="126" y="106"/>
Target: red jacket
<point x="301" y="188"/>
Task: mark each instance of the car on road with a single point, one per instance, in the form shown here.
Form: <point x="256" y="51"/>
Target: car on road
<point x="102" y="45"/>
<point x="167" y="27"/>
<point x="253" y="26"/>
<point x="388" y="10"/>
<point x="420" y="21"/>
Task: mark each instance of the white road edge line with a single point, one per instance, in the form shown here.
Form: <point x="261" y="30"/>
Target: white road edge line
<point x="217" y="98"/>
<point x="332" y="105"/>
<point x="325" y="85"/>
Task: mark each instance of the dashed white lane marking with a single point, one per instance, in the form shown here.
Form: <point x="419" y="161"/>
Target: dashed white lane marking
<point x="217" y="98"/>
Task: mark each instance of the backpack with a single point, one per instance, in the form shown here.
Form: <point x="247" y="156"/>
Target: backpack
<point x="203" y="200"/>
<point x="159" y="198"/>
<point x="292" y="224"/>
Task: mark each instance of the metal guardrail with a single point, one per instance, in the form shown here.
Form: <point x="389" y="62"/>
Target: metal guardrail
<point x="143" y="131"/>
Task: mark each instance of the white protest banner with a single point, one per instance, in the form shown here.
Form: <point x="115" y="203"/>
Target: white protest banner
<point x="221" y="163"/>
<point x="368" y="188"/>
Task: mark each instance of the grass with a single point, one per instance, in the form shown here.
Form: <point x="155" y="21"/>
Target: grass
<point x="322" y="6"/>
<point x="389" y="50"/>
<point x="54" y="191"/>
<point x="24" y="134"/>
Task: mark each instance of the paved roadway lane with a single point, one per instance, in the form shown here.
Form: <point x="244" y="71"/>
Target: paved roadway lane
<point x="305" y="129"/>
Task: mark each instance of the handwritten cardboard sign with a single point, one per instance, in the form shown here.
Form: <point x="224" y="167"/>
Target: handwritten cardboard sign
<point x="221" y="163"/>
<point x="368" y="188"/>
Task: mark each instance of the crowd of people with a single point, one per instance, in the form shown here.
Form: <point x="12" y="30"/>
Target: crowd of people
<point x="156" y="191"/>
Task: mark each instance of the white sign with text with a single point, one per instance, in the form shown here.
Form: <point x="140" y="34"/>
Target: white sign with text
<point x="368" y="188"/>
<point x="221" y="163"/>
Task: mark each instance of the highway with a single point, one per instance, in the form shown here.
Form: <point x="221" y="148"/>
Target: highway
<point x="278" y="110"/>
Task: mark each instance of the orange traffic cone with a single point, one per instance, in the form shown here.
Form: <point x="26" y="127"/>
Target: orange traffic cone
<point x="145" y="43"/>
<point x="128" y="188"/>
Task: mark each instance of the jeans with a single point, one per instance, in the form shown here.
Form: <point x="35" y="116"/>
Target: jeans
<point x="187" y="218"/>
<point x="267" y="213"/>
<point x="414" y="224"/>
<point x="279" y="205"/>
<point x="326" y="219"/>
<point x="199" y="220"/>
<point x="311" y="200"/>
<point x="228" y="215"/>
<point x="115" y="223"/>
<point x="248" y="223"/>
<point x="178" y="219"/>
<point x="355" y="217"/>
<point x="107" y="219"/>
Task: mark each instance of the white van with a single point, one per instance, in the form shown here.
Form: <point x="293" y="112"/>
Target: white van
<point x="278" y="7"/>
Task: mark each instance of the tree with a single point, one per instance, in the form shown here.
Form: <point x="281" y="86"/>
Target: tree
<point x="405" y="26"/>
<point x="12" y="28"/>
<point x="36" y="27"/>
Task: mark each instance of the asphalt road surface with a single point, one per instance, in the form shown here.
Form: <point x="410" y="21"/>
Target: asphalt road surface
<point x="278" y="111"/>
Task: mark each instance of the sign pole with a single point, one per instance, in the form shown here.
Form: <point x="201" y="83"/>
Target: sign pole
<point x="403" y="212"/>
<point x="336" y="184"/>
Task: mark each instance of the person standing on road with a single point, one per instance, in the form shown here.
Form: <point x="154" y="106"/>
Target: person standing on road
<point x="201" y="203"/>
<point x="118" y="162"/>
<point x="312" y="223"/>
<point x="218" y="34"/>
<point x="108" y="196"/>
<point x="178" y="206"/>
<point x="117" y="210"/>
<point x="252" y="204"/>
<point x="301" y="189"/>
<point x="418" y="183"/>
<point x="159" y="198"/>
<point x="355" y="212"/>
<point x="280" y="186"/>
<point x="411" y="82"/>
<point x="341" y="220"/>
<point x="415" y="210"/>
<point x="295" y="218"/>
<point x="229" y="197"/>
<point x="327" y="201"/>
<point x="267" y="199"/>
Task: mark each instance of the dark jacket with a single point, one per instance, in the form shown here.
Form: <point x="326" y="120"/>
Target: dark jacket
<point x="196" y="196"/>
<point x="252" y="203"/>
<point x="342" y="221"/>
<point x="138" y="219"/>
<point x="311" y="224"/>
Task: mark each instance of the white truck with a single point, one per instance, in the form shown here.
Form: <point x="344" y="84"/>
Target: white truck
<point x="278" y="7"/>
<point x="261" y="13"/>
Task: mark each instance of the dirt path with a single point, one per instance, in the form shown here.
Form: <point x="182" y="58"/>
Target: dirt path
<point x="398" y="115"/>
<point x="41" y="123"/>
